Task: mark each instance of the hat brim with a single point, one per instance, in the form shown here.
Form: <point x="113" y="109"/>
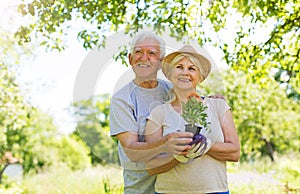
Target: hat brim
<point x="205" y="64"/>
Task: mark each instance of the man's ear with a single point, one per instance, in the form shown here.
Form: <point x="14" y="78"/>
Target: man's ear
<point x="130" y="58"/>
<point x="160" y="63"/>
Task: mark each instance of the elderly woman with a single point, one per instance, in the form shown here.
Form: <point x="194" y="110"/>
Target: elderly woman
<point x="206" y="174"/>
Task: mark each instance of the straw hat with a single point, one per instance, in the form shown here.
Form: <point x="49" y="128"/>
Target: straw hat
<point x="204" y="64"/>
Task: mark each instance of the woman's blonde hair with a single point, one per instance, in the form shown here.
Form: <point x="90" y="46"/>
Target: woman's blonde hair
<point x="181" y="56"/>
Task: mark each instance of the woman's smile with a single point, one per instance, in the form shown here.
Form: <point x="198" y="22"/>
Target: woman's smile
<point x="185" y="72"/>
<point x="184" y="79"/>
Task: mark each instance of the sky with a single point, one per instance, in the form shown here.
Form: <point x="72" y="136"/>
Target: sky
<point x="51" y="77"/>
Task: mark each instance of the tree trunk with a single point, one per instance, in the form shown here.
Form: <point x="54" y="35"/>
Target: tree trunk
<point x="1" y="172"/>
<point x="270" y="150"/>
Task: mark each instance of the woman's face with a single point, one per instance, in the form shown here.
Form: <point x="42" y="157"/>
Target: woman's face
<point x="185" y="75"/>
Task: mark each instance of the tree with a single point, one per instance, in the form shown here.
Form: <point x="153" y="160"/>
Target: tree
<point x="15" y="115"/>
<point x="15" y="111"/>
<point x="262" y="44"/>
<point x="93" y="128"/>
<point x="47" y="148"/>
<point x="267" y="121"/>
<point x="6" y="160"/>
<point x="27" y="135"/>
<point x="264" y="37"/>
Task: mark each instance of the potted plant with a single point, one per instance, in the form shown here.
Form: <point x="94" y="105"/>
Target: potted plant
<point x="193" y="112"/>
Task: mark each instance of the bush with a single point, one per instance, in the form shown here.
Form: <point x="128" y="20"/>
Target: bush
<point x="58" y="150"/>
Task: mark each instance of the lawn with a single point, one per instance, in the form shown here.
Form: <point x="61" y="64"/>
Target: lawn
<point x="260" y="177"/>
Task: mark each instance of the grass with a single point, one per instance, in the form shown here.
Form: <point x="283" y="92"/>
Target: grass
<point x="264" y="176"/>
<point x="96" y="180"/>
<point x="258" y="177"/>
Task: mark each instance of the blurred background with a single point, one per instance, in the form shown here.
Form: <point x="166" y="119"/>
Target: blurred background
<point x="61" y="61"/>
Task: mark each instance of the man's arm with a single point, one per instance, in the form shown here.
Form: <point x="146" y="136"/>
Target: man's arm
<point x="177" y="144"/>
<point x="143" y="151"/>
<point x="161" y="163"/>
<point x="122" y="117"/>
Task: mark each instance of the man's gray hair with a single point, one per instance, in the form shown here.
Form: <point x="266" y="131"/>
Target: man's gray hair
<point x="148" y="34"/>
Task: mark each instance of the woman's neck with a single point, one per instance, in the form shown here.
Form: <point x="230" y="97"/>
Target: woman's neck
<point x="182" y="95"/>
<point x="176" y="104"/>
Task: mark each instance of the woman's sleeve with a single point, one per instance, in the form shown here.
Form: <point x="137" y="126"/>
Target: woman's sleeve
<point x="222" y="107"/>
<point x="155" y="119"/>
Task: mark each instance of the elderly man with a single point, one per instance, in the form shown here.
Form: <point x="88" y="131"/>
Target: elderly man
<point x="130" y="107"/>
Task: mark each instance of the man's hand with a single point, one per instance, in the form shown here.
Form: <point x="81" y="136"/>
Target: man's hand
<point x="217" y="96"/>
<point x="178" y="142"/>
<point x="199" y="147"/>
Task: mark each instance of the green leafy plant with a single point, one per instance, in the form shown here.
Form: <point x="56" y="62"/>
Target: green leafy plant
<point x="193" y="112"/>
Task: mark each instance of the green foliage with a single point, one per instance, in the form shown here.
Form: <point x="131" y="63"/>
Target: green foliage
<point x="93" y="128"/>
<point x="265" y="43"/>
<point x="30" y="135"/>
<point x="266" y="120"/>
<point x="25" y="131"/>
<point x="16" y="113"/>
<point x="193" y="112"/>
<point x="15" y="116"/>
<point x="73" y="153"/>
<point x="278" y="50"/>
<point x="49" y="149"/>
<point x="264" y="37"/>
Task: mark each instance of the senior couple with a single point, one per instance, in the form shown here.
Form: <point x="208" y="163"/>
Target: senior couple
<point x="145" y="116"/>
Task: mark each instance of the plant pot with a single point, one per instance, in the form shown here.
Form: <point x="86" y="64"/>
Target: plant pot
<point x="193" y="129"/>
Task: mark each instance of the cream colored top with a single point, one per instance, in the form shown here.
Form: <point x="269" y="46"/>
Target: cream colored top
<point x="201" y="175"/>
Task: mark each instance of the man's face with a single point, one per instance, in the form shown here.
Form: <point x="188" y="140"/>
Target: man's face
<point x="145" y="60"/>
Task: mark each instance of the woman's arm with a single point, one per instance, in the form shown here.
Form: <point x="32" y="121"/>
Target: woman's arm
<point x="230" y="149"/>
